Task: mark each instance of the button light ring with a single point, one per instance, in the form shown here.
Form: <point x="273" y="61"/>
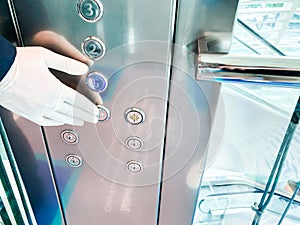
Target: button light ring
<point x="134" y="116"/>
<point x="134" y="166"/>
<point x="134" y="143"/>
<point x="104" y="113"/>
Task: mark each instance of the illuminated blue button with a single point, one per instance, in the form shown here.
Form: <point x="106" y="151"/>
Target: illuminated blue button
<point x="96" y="81"/>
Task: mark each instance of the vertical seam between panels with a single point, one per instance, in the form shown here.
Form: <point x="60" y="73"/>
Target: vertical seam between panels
<point x="57" y="193"/>
<point x="170" y="70"/>
<point x="15" y="22"/>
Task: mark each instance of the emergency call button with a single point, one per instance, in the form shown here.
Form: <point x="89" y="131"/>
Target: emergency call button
<point x="90" y="10"/>
<point x="134" y="116"/>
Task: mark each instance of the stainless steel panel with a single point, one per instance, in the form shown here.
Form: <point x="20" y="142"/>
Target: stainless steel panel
<point x="192" y="129"/>
<point x="102" y="187"/>
<point x="137" y="64"/>
<point x="206" y="20"/>
<point x="136" y="35"/>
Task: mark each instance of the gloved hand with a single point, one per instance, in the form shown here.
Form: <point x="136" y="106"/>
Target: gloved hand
<point x="31" y="91"/>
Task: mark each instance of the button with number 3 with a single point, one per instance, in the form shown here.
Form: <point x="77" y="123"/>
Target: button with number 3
<point x="93" y="48"/>
<point x="90" y="10"/>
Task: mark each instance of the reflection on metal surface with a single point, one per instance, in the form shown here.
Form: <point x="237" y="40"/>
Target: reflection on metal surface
<point x="262" y="28"/>
<point x="7" y="23"/>
<point x="138" y="64"/>
<point x="282" y="70"/>
<point x="205" y="23"/>
<point x="285" y="71"/>
<point x="191" y="117"/>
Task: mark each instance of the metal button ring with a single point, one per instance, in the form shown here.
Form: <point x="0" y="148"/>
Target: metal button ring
<point x="74" y="160"/>
<point x="93" y="48"/>
<point x="90" y="10"/>
<point x="134" y="116"/>
<point x="134" y="143"/>
<point x="104" y="113"/>
<point x="69" y="136"/>
<point x="134" y="166"/>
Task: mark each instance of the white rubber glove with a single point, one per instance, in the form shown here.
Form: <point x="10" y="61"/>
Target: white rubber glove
<point x="31" y="91"/>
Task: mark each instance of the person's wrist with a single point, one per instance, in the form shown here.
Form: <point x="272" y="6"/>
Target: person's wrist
<point x="10" y="77"/>
<point x="7" y="56"/>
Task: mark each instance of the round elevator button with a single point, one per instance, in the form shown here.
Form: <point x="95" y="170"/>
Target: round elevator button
<point x="104" y="113"/>
<point x="93" y="48"/>
<point x="96" y="81"/>
<point x="134" y="143"/>
<point x="90" y="10"/>
<point x="73" y="160"/>
<point x="69" y="136"/>
<point x="134" y="166"/>
<point x="134" y="116"/>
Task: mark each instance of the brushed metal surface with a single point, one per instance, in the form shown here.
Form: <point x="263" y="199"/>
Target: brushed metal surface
<point x="136" y="36"/>
<point x="206" y="20"/>
<point x="196" y="119"/>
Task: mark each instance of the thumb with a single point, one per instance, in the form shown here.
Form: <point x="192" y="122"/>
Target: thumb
<point x="63" y="63"/>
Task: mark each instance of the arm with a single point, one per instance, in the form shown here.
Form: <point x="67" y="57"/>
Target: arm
<point x="7" y="56"/>
<point x="30" y="90"/>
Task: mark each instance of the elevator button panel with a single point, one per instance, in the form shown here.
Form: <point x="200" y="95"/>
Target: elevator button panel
<point x="134" y="116"/>
<point x="96" y="82"/>
<point x="134" y="166"/>
<point x="90" y="10"/>
<point x="134" y="143"/>
<point x="93" y="48"/>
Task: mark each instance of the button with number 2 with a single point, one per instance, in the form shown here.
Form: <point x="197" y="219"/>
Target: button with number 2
<point x="90" y="10"/>
<point x="93" y="48"/>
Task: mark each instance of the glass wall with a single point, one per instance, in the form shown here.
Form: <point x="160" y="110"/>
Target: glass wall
<point x="257" y="126"/>
<point x="15" y="208"/>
